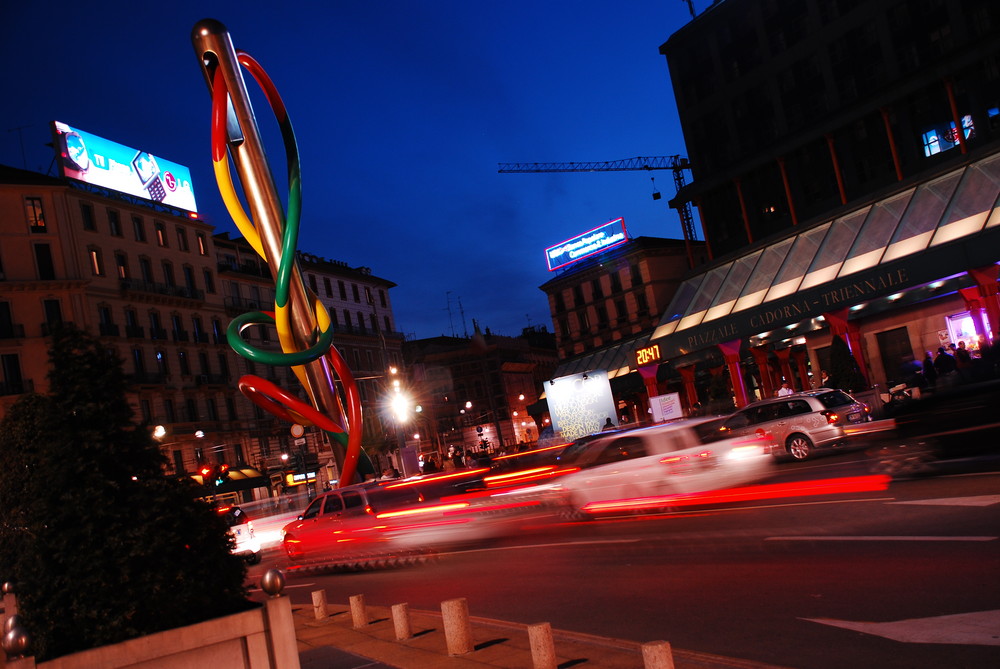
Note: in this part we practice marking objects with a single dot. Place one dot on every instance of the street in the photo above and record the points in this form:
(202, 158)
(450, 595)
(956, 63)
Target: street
(907, 576)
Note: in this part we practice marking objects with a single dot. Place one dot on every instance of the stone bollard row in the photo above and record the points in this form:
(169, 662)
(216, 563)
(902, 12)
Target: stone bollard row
(459, 638)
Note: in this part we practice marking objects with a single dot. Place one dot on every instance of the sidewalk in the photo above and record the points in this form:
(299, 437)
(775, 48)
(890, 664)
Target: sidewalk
(333, 643)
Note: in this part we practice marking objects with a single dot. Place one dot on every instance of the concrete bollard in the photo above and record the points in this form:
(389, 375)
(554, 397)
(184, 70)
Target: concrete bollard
(657, 655)
(359, 612)
(401, 621)
(543, 650)
(319, 604)
(457, 628)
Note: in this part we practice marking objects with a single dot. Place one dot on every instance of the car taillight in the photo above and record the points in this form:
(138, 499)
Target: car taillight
(831, 416)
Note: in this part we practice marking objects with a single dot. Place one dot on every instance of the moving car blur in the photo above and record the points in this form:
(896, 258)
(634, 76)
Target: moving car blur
(246, 544)
(644, 467)
(925, 434)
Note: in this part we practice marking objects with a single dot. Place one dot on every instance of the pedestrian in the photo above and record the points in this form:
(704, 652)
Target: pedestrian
(608, 425)
(946, 367)
(785, 390)
(825, 381)
(458, 458)
(930, 374)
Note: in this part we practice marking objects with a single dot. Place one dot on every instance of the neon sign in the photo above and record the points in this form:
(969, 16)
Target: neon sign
(599, 239)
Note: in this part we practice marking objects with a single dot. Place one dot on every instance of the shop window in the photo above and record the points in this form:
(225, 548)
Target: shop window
(961, 327)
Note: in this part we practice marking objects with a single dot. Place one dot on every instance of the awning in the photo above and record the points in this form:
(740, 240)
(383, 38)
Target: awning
(937, 228)
(240, 479)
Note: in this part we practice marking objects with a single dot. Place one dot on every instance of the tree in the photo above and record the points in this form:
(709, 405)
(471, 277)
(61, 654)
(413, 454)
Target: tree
(844, 369)
(101, 545)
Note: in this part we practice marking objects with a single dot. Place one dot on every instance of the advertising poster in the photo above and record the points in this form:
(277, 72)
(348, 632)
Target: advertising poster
(94, 160)
(666, 407)
(580, 404)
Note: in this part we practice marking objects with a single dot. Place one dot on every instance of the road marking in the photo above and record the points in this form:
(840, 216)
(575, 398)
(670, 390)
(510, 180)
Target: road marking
(979, 500)
(981, 628)
(880, 538)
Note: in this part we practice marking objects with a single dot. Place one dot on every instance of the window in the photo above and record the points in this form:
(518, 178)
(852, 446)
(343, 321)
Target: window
(595, 288)
(87, 216)
(156, 330)
(217, 333)
(354, 290)
(168, 274)
(33, 212)
(182, 240)
(182, 359)
(636, 275)
(203, 363)
(13, 382)
(191, 408)
(121, 262)
(388, 326)
(642, 304)
(188, 272)
(381, 298)
(6, 321)
(231, 411)
(616, 282)
(577, 295)
(223, 366)
(147, 411)
(209, 282)
(213, 412)
(43, 261)
(96, 261)
(161, 233)
(312, 283)
(361, 320)
(343, 290)
(161, 363)
(202, 243)
(168, 409)
(327, 286)
(114, 223)
(146, 269)
(138, 362)
(368, 295)
(138, 228)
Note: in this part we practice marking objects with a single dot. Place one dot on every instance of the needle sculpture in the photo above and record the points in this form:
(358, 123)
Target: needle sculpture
(303, 324)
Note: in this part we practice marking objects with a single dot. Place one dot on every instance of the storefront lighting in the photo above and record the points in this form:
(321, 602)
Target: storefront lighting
(857, 307)
(895, 297)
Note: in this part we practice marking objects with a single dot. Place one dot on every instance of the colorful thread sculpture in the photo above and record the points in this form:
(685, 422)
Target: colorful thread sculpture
(262, 392)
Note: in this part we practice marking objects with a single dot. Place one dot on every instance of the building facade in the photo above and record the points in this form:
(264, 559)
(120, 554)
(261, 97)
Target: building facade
(160, 289)
(476, 392)
(845, 158)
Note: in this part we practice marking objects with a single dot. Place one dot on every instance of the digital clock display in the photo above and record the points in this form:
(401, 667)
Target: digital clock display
(647, 355)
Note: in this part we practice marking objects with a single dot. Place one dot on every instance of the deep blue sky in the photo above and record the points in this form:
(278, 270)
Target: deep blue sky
(402, 112)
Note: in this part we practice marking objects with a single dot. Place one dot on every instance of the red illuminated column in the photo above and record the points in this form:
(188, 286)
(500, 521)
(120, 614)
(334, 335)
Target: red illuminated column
(800, 361)
(851, 334)
(986, 281)
(788, 190)
(956, 119)
(784, 357)
(836, 169)
(648, 374)
(704, 228)
(892, 143)
(760, 355)
(743, 209)
(690, 391)
(731, 353)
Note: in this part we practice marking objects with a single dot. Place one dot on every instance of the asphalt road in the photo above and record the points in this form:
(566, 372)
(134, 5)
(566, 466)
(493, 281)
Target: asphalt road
(907, 576)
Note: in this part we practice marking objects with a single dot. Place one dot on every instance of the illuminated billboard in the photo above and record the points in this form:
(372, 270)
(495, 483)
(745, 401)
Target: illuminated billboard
(94, 160)
(599, 239)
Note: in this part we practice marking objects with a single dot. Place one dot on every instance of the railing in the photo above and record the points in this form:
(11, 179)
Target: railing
(17, 387)
(146, 378)
(135, 332)
(11, 331)
(138, 285)
(157, 333)
(109, 329)
(47, 328)
(180, 335)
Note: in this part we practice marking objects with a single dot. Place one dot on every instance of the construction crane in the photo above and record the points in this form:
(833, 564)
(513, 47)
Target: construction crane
(677, 164)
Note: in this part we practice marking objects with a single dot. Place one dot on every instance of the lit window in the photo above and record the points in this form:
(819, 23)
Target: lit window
(96, 262)
(33, 211)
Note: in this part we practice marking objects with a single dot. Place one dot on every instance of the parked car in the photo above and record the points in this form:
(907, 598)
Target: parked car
(681, 457)
(801, 423)
(241, 528)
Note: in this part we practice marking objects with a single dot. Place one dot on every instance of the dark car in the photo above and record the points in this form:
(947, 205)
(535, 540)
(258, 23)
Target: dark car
(962, 422)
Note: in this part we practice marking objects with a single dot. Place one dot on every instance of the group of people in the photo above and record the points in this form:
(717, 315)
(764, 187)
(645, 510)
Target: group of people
(824, 382)
(953, 364)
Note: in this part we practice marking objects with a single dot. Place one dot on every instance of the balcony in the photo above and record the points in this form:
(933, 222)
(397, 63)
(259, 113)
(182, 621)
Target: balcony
(135, 332)
(212, 379)
(109, 330)
(139, 286)
(248, 268)
(146, 378)
(17, 387)
(157, 333)
(200, 337)
(47, 328)
(181, 335)
(238, 305)
(11, 331)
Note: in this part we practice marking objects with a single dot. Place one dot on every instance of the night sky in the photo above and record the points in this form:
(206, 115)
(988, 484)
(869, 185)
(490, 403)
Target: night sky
(402, 111)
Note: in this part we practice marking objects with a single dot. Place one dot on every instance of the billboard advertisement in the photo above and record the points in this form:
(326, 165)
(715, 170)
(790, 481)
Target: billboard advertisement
(94, 160)
(601, 238)
(580, 404)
